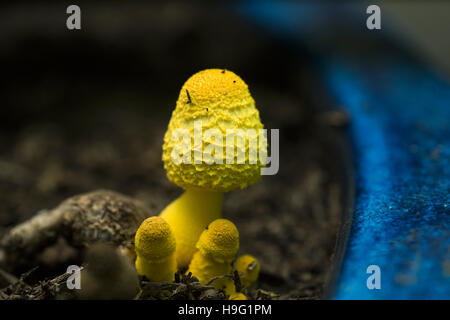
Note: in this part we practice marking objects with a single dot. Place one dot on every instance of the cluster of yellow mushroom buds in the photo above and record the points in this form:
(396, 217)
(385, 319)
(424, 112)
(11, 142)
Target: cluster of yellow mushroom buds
(217, 248)
(189, 233)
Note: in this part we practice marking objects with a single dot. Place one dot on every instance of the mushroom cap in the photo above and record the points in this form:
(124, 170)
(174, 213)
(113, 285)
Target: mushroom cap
(154, 240)
(221, 101)
(220, 241)
(249, 266)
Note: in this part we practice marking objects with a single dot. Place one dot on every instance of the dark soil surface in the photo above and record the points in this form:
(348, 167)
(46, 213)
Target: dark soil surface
(88, 111)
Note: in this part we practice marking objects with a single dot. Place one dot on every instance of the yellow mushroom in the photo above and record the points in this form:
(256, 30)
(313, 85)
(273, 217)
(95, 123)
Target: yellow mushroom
(248, 268)
(217, 248)
(155, 250)
(222, 102)
(237, 296)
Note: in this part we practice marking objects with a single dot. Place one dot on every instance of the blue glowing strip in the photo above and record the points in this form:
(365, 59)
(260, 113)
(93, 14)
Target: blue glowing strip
(400, 132)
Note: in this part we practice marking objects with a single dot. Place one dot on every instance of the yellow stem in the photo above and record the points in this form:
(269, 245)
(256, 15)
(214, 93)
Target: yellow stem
(188, 216)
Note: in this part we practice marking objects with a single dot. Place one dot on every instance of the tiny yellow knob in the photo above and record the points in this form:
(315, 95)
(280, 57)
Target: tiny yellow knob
(237, 296)
(248, 268)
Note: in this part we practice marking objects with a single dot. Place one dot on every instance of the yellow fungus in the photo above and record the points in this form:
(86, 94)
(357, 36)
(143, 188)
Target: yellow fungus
(155, 250)
(248, 268)
(222, 102)
(217, 248)
(237, 296)
(188, 216)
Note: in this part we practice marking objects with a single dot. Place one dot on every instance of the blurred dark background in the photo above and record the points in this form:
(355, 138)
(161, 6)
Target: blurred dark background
(79, 107)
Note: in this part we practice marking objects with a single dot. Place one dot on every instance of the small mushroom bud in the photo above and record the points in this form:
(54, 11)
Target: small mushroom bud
(217, 248)
(155, 250)
(248, 268)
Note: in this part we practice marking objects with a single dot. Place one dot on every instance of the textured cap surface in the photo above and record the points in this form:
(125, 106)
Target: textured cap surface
(221, 101)
(154, 240)
(220, 241)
